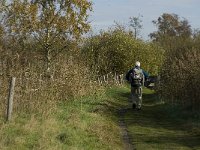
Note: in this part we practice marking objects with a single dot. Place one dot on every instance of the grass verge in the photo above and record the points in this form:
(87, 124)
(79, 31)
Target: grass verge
(86, 123)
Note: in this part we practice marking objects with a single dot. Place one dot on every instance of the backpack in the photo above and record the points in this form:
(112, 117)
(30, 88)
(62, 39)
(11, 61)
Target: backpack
(136, 77)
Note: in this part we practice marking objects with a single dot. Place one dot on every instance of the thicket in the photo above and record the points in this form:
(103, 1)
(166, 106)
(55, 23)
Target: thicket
(180, 80)
(39, 47)
(116, 50)
(36, 90)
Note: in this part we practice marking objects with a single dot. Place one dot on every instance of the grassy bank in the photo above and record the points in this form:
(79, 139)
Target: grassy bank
(85, 123)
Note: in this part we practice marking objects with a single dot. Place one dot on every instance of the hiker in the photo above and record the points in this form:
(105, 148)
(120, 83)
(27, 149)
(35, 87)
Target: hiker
(136, 76)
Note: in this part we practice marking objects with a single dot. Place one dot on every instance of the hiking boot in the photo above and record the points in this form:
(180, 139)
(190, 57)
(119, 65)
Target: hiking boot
(134, 106)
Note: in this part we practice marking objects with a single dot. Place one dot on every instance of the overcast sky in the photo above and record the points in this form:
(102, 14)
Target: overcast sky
(105, 12)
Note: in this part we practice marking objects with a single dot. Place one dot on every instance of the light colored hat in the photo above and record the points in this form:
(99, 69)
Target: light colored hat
(137, 63)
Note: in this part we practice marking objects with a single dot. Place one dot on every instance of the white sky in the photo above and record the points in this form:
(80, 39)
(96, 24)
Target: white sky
(105, 12)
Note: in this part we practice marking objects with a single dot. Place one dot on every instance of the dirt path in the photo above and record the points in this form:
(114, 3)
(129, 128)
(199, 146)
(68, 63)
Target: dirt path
(126, 136)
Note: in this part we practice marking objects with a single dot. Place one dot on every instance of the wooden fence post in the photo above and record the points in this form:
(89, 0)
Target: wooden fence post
(10, 98)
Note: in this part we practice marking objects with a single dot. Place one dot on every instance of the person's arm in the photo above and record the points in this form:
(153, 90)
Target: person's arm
(128, 74)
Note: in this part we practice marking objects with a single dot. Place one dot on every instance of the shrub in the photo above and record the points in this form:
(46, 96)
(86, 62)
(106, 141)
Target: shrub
(116, 50)
(38, 91)
(180, 80)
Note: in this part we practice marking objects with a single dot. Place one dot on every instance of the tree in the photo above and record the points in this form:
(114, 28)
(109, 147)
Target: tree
(52, 23)
(170, 25)
(135, 23)
(196, 33)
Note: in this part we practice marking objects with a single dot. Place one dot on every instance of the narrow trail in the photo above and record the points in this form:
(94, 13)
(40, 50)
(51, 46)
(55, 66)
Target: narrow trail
(126, 136)
(158, 125)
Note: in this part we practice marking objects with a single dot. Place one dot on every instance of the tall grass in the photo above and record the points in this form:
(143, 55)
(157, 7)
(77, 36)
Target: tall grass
(37, 90)
(89, 122)
(180, 80)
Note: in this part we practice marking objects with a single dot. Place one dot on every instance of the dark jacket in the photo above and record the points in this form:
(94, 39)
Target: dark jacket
(146, 75)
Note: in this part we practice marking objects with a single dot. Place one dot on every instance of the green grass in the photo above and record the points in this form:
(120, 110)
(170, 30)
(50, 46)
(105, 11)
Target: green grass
(160, 126)
(91, 123)
(86, 123)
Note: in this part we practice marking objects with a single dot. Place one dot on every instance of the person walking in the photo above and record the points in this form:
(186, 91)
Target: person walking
(136, 77)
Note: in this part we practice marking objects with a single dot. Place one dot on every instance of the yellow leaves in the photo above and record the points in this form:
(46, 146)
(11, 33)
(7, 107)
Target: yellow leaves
(63, 16)
(33, 10)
